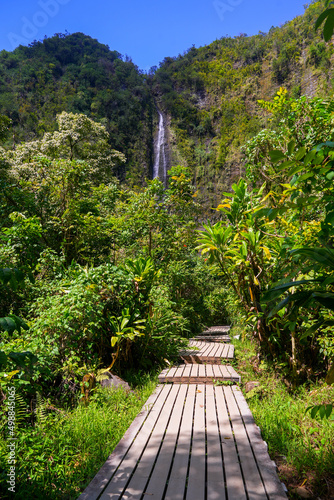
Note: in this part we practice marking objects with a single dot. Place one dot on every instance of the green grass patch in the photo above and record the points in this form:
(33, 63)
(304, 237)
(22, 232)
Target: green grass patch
(59, 456)
(303, 447)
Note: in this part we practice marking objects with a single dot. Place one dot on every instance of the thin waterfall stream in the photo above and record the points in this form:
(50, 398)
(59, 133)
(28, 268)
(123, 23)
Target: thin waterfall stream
(160, 162)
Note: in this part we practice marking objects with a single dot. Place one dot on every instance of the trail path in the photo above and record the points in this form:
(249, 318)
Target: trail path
(195, 438)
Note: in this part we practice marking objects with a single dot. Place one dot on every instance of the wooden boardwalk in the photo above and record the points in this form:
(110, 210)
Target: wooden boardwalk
(212, 338)
(194, 439)
(207, 352)
(191, 442)
(217, 330)
(199, 373)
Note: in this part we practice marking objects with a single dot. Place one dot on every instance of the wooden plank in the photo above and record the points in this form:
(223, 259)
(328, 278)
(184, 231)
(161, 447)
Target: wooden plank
(219, 329)
(225, 351)
(137, 484)
(196, 442)
(213, 350)
(214, 332)
(201, 371)
(233, 374)
(102, 478)
(267, 467)
(194, 371)
(178, 476)
(206, 352)
(234, 480)
(172, 371)
(251, 475)
(217, 372)
(179, 372)
(186, 371)
(164, 372)
(158, 480)
(209, 371)
(197, 344)
(212, 338)
(124, 472)
(225, 372)
(218, 350)
(215, 470)
(197, 466)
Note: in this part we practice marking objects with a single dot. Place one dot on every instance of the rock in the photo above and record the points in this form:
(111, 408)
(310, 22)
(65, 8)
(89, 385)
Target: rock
(303, 492)
(251, 385)
(114, 381)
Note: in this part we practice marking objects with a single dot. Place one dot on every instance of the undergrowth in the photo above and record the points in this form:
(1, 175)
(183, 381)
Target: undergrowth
(303, 447)
(61, 453)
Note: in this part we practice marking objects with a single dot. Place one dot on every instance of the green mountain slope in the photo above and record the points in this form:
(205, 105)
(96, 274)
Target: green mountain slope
(211, 94)
(76, 73)
(208, 95)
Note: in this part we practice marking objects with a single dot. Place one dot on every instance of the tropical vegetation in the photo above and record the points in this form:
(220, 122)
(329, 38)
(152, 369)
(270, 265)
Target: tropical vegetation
(104, 269)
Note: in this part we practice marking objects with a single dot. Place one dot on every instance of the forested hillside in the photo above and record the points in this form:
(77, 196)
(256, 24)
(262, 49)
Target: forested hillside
(211, 94)
(76, 73)
(103, 269)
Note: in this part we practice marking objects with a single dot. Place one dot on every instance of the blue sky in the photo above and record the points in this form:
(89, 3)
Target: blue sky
(146, 30)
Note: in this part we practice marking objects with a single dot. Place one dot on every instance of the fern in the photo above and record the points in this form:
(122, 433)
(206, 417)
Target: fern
(21, 409)
(41, 409)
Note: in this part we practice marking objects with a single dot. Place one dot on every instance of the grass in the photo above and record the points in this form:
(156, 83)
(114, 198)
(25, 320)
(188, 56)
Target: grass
(302, 447)
(58, 457)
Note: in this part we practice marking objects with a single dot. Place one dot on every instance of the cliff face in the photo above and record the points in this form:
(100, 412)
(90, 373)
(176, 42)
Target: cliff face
(211, 94)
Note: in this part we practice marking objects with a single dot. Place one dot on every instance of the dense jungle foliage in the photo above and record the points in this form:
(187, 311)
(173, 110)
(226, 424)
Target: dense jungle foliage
(102, 268)
(75, 73)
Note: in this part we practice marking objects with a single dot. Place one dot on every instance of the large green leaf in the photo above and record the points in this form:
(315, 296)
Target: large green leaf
(8, 324)
(12, 276)
(329, 25)
(298, 299)
(3, 358)
(310, 331)
(12, 323)
(300, 153)
(5, 275)
(21, 358)
(326, 299)
(324, 256)
(296, 169)
(277, 291)
(276, 155)
(321, 18)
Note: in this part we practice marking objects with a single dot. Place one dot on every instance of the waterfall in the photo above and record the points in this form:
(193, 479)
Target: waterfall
(160, 162)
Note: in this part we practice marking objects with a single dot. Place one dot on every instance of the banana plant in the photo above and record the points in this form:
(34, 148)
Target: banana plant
(240, 249)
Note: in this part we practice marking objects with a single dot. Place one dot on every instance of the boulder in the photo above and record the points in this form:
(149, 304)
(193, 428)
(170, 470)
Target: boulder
(111, 380)
(303, 492)
(251, 385)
